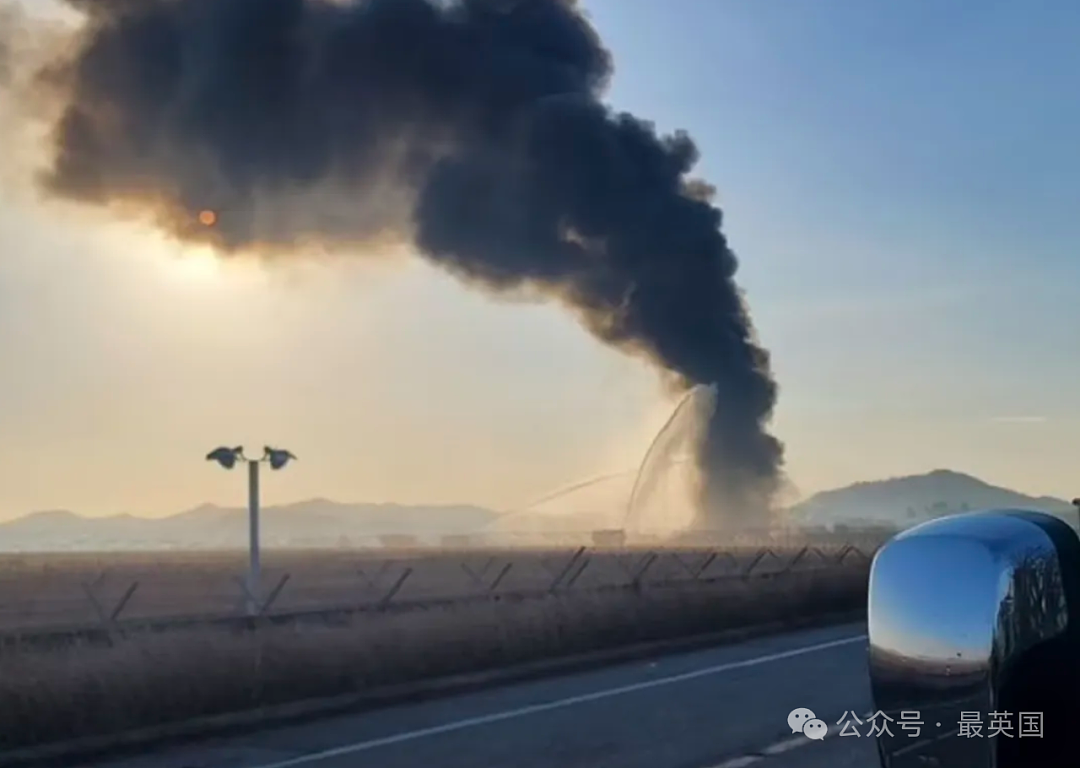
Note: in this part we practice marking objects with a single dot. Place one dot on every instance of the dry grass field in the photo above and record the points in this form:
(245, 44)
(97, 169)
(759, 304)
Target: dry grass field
(41, 592)
(149, 679)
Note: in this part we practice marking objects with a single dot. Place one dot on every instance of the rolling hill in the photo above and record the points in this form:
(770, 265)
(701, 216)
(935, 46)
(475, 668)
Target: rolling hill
(315, 523)
(900, 502)
(903, 501)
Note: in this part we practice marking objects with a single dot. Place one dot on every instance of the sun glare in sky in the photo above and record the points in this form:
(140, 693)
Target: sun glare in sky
(196, 266)
(188, 266)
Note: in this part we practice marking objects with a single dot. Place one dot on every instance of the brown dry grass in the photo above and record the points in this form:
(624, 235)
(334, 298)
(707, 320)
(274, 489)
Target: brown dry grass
(153, 679)
(38, 591)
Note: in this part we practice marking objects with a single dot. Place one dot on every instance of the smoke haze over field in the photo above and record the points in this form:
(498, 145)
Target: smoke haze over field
(472, 130)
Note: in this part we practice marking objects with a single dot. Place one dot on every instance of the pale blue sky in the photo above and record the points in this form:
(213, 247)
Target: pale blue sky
(899, 180)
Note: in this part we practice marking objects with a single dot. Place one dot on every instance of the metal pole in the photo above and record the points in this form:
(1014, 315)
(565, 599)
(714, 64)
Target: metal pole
(253, 538)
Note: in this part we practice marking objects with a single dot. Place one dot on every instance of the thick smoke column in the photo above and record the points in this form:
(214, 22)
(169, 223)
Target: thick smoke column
(472, 129)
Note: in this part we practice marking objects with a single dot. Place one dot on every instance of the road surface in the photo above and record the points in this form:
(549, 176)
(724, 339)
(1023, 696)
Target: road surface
(725, 706)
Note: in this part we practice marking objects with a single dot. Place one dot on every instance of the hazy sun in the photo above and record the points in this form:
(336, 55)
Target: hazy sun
(194, 265)
(199, 266)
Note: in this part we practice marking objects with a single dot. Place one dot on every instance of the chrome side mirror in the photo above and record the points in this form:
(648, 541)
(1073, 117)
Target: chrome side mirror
(974, 643)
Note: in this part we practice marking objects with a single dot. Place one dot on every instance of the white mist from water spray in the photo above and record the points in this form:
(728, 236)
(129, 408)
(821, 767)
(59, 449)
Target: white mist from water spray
(653, 505)
(682, 431)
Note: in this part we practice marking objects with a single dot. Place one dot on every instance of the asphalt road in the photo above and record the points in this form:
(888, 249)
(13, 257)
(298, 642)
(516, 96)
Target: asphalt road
(834, 752)
(726, 706)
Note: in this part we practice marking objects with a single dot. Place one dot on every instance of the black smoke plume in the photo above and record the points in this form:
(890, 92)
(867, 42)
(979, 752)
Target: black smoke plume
(472, 129)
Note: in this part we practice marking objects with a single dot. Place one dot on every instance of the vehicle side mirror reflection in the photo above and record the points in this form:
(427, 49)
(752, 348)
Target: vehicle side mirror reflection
(974, 628)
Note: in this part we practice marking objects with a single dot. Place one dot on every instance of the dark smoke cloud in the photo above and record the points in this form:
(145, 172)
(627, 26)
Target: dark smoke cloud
(473, 129)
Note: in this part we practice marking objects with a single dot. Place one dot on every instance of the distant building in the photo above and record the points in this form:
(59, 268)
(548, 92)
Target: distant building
(399, 541)
(609, 538)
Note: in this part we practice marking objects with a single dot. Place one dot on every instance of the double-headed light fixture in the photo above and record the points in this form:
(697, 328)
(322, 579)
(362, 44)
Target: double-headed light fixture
(228, 458)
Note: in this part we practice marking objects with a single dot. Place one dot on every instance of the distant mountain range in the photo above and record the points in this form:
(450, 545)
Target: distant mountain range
(315, 523)
(904, 501)
(895, 502)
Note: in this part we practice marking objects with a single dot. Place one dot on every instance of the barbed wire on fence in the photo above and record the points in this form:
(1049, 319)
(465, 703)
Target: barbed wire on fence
(384, 585)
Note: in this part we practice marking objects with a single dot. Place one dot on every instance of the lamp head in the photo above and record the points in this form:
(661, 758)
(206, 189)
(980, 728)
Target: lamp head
(278, 457)
(226, 457)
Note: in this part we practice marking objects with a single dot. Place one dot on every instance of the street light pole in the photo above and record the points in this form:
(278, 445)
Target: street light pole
(254, 580)
(228, 458)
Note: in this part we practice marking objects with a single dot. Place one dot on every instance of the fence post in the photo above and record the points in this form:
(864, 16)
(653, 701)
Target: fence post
(265, 606)
(754, 563)
(581, 570)
(383, 569)
(704, 566)
(566, 569)
(385, 601)
(631, 571)
(478, 576)
(649, 560)
(109, 621)
(498, 579)
(795, 560)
